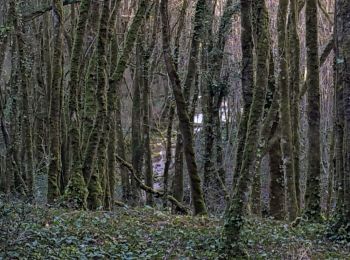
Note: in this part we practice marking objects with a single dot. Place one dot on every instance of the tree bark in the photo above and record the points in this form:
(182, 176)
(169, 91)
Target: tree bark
(285, 114)
(185, 123)
(312, 196)
(55, 108)
(234, 219)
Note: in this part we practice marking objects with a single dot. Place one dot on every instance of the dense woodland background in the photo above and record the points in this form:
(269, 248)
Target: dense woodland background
(236, 110)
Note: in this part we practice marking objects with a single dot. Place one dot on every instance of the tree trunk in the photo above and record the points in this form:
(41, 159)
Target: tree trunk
(286, 128)
(313, 187)
(234, 219)
(185, 123)
(247, 80)
(294, 86)
(55, 109)
(74, 88)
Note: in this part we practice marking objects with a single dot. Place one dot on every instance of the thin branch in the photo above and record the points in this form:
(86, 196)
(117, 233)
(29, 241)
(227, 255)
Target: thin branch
(324, 11)
(42, 10)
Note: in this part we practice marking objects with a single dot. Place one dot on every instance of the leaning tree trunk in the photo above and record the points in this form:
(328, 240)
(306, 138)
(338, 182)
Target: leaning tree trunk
(184, 120)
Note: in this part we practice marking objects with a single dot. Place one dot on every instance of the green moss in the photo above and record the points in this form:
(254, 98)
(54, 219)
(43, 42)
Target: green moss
(76, 192)
(95, 197)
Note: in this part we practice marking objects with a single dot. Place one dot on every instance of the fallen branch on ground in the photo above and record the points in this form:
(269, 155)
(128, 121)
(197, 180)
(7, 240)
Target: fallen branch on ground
(180, 206)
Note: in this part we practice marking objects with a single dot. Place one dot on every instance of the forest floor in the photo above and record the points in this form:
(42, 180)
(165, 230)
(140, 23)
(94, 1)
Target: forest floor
(34, 232)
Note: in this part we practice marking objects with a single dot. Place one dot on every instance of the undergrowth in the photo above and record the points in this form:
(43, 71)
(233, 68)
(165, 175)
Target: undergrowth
(34, 232)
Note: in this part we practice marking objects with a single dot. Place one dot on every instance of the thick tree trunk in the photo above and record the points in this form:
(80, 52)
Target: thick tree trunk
(313, 187)
(74, 90)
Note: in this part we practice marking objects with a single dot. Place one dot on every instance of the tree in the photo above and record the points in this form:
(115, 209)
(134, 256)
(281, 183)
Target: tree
(342, 123)
(55, 107)
(185, 125)
(285, 115)
(234, 219)
(76, 182)
(312, 196)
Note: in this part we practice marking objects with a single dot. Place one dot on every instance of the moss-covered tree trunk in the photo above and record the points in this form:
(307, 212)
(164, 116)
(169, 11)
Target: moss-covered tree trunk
(116, 142)
(99, 133)
(214, 90)
(312, 195)
(277, 183)
(55, 108)
(112, 173)
(74, 113)
(114, 101)
(28, 172)
(247, 80)
(234, 219)
(184, 120)
(285, 115)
